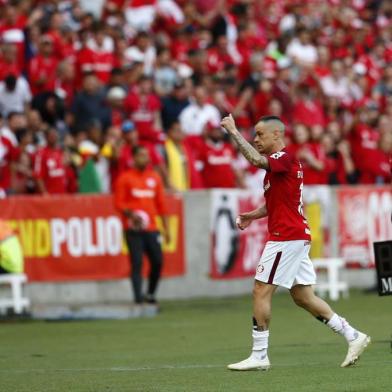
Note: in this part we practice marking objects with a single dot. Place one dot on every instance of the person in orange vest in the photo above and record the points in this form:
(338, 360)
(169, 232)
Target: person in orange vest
(139, 196)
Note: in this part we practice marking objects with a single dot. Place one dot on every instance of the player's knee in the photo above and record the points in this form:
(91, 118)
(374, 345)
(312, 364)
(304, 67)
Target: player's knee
(260, 292)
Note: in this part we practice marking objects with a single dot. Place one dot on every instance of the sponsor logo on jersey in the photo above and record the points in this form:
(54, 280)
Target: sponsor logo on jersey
(143, 193)
(277, 155)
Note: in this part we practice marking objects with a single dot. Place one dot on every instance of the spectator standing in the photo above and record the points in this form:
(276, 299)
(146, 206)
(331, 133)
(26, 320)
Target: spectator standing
(174, 104)
(144, 108)
(9, 64)
(217, 157)
(195, 116)
(8, 154)
(301, 49)
(50, 170)
(15, 95)
(180, 160)
(89, 103)
(143, 51)
(43, 67)
(139, 197)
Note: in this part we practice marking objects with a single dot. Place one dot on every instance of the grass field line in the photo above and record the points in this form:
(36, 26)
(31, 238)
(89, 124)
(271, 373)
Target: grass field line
(169, 367)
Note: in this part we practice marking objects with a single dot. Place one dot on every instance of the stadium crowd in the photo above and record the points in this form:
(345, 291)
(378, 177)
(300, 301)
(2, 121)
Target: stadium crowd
(78, 93)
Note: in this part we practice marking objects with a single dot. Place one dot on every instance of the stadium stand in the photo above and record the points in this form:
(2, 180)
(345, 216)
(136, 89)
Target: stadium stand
(70, 82)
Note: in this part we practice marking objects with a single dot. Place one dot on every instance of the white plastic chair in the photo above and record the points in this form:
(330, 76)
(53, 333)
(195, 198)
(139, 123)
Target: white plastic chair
(17, 301)
(333, 286)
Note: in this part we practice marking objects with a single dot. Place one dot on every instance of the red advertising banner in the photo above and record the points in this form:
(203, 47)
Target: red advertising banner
(80, 237)
(235, 253)
(364, 218)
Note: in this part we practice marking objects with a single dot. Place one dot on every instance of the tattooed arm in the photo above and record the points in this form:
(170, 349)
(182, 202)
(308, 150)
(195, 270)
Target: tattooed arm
(247, 150)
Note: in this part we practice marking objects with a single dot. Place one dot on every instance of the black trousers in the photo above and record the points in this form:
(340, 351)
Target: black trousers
(140, 243)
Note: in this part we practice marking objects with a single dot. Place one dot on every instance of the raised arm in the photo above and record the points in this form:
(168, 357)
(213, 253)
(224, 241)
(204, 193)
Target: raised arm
(247, 150)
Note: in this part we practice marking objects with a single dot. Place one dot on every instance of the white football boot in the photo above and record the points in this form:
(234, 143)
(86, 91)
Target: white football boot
(251, 364)
(355, 349)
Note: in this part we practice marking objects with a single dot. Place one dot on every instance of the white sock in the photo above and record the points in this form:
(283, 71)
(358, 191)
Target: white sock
(260, 344)
(341, 326)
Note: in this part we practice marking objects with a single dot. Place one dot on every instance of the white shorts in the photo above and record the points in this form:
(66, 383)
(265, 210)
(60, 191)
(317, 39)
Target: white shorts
(286, 263)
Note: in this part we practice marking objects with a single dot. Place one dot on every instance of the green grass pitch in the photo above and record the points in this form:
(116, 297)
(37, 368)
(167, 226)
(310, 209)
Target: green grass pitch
(187, 347)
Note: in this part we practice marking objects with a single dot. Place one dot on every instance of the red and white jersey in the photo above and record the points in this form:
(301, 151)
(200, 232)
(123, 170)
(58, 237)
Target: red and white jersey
(49, 166)
(217, 161)
(283, 186)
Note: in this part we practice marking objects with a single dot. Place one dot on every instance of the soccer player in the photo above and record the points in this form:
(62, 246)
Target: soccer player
(285, 260)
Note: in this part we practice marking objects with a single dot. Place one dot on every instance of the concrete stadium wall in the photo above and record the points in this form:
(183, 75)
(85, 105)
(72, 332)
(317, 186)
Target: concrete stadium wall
(195, 283)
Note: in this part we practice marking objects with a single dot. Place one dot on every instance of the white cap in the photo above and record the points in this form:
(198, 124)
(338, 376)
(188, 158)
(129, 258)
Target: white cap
(360, 68)
(116, 93)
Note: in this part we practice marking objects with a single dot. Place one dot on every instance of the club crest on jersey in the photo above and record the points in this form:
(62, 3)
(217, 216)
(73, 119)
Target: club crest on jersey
(260, 268)
(267, 186)
(277, 155)
(151, 182)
